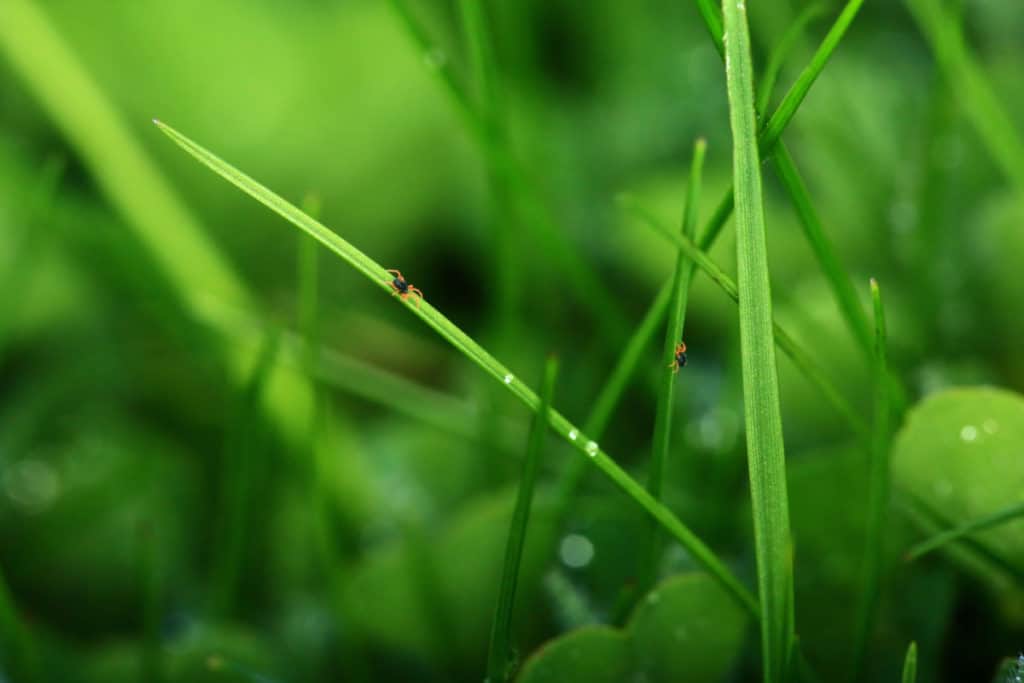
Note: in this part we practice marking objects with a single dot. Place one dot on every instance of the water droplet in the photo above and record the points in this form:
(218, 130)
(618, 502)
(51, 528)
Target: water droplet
(990, 426)
(573, 434)
(32, 485)
(576, 551)
(435, 59)
(969, 433)
(592, 448)
(508, 379)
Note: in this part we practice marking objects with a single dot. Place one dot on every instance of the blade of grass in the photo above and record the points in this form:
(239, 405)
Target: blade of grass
(16, 641)
(762, 415)
(608, 397)
(944, 34)
(958, 532)
(187, 258)
(878, 491)
(502, 209)
(588, 287)
(910, 664)
(474, 352)
(681, 278)
(238, 474)
(499, 655)
(781, 51)
(771, 146)
(786, 343)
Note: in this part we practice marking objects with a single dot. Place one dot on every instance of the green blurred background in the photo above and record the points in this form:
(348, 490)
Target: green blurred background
(188, 493)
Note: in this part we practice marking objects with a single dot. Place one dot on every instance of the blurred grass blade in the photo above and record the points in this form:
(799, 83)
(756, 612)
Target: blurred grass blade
(781, 51)
(878, 490)
(835, 274)
(681, 278)
(910, 664)
(801, 359)
(20, 653)
(151, 579)
(241, 462)
(473, 351)
(499, 656)
(186, 257)
(958, 532)
(942, 30)
(502, 210)
(580, 276)
(763, 418)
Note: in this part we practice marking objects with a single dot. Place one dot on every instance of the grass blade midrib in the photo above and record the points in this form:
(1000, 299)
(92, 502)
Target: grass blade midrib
(463, 343)
(762, 413)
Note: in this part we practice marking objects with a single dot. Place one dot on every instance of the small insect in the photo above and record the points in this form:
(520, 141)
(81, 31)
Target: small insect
(680, 357)
(402, 287)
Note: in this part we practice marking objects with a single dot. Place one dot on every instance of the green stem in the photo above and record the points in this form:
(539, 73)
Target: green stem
(910, 664)
(499, 657)
(878, 490)
(958, 532)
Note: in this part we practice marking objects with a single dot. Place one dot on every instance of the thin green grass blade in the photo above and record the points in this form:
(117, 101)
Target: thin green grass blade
(474, 352)
(674, 331)
(163, 225)
(976, 95)
(835, 274)
(783, 339)
(608, 398)
(910, 664)
(781, 51)
(502, 207)
(499, 656)
(16, 642)
(588, 287)
(958, 532)
(765, 452)
(238, 479)
(878, 490)
(798, 91)
(681, 278)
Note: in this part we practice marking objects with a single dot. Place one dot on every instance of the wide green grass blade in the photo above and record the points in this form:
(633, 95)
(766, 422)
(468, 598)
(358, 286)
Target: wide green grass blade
(910, 664)
(878, 489)
(800, 357)
(499, 656)
(762, 413)
(960, 531)
(474, 352)
(976, 95)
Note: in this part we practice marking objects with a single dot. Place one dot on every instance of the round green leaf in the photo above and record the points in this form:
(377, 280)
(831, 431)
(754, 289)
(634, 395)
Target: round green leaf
(959, 454)
(596, 654)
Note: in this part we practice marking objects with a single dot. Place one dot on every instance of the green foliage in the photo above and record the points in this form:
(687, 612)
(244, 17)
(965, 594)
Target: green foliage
(684, 629)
